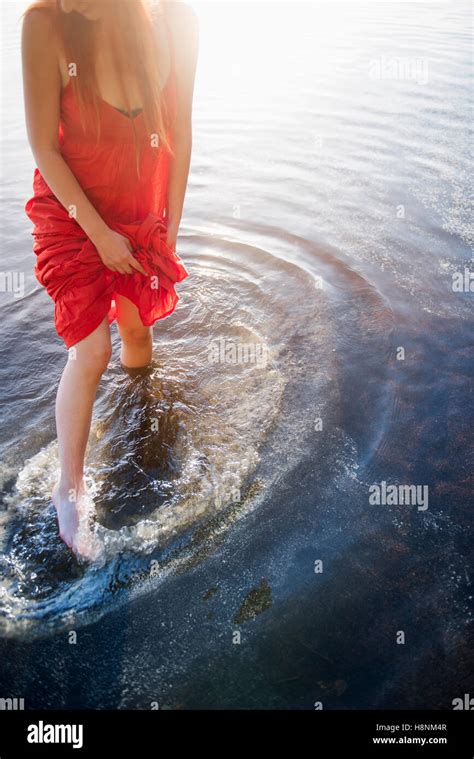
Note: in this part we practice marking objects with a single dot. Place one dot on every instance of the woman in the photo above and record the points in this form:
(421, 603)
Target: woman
(108, 88)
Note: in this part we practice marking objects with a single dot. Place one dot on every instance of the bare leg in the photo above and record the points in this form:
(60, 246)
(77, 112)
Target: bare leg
(75, 398)
(137, 340)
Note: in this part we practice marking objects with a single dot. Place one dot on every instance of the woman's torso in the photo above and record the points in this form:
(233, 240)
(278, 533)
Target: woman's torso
(107, 170)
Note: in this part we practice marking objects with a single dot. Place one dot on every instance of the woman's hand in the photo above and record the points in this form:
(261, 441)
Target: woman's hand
(115, 251)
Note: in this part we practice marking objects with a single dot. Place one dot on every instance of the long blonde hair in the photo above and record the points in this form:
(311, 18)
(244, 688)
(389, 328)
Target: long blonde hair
(135, 54)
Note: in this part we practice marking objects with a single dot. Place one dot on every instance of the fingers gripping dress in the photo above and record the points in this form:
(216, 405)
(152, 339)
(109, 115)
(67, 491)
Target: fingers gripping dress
(67, 263)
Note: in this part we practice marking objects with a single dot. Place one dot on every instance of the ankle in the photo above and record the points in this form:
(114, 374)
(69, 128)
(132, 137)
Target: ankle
(70, 489)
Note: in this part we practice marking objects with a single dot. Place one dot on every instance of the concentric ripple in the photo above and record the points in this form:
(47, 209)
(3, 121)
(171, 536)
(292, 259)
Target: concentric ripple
(247, 379)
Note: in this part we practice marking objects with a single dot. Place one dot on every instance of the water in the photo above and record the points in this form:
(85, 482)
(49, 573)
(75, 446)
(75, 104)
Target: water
(327, 211)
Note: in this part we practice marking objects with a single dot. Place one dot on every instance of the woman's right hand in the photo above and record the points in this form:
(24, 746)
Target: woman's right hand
(115, 251)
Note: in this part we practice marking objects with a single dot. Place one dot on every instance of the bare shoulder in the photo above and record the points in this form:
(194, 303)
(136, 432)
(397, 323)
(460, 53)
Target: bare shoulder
(183, 21)
(39, 43)
(180, 11)
(39, 39)
(39, 25)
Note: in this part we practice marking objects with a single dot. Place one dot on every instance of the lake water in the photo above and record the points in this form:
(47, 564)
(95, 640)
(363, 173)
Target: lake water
(322, 344)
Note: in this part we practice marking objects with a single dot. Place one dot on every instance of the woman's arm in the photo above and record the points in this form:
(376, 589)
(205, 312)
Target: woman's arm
(183, 24)
(42, 92)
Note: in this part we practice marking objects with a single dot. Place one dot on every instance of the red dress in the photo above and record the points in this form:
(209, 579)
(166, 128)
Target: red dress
(67, 263)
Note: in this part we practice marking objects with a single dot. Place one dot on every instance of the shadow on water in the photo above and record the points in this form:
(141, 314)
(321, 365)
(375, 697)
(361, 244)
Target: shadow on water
(139, 443)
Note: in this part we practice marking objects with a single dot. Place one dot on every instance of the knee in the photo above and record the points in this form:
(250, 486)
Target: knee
(136, 336)
(95, 360)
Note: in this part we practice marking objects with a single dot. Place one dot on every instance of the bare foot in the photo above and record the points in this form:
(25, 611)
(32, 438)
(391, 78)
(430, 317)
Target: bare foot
(68, 521)
(76, 521)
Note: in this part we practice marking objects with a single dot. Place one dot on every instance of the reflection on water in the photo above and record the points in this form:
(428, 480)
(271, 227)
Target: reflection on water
(326, 215)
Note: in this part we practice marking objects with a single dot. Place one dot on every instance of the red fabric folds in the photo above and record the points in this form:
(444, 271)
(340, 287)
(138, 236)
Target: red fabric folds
(83, 288)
